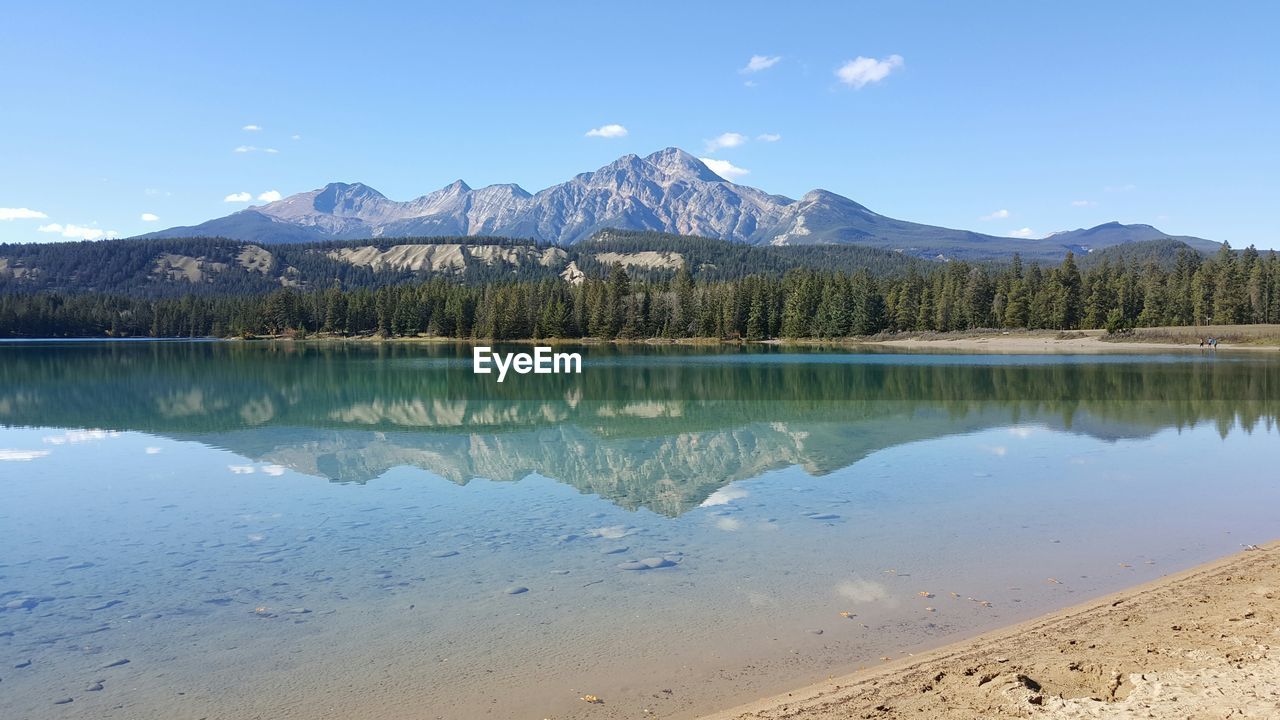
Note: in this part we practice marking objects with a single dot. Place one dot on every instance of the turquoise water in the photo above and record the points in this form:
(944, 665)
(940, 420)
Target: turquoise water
(285, 531)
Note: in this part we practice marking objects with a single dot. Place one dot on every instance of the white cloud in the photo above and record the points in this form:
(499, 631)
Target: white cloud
(725, 140)
(613, 130)
(21, 214)
(729, 524)
(612, 532)
(245, 149)
(152, 451)
(270, 196)
(863, 591)
(75, 437)
(271, 151)
(295, 137)
(238, 197)
(862, 71)
(1083, 203)
(724, 496)
(148, 217)
(241, 469)
(21, 455)
(273, 470)
(77, 231)
(724, 168)
(997, 215)
(769, 137)
(252, 128)
(1022, 233)
(760, 62)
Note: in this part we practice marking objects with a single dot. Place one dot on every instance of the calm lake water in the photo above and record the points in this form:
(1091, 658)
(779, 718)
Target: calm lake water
(218, 530)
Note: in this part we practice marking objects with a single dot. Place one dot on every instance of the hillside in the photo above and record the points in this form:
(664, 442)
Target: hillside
(218, 266)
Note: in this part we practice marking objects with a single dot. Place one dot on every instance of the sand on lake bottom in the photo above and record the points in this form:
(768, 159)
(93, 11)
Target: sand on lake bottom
(1199, 644)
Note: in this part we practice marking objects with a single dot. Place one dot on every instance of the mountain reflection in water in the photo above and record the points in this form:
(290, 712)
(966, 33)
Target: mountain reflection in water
(660, 428)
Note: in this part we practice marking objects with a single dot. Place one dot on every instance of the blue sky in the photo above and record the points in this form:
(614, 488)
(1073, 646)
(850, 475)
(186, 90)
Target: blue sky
(999, 117)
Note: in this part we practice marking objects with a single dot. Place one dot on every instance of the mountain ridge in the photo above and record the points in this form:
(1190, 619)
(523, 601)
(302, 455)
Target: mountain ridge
(668, 191)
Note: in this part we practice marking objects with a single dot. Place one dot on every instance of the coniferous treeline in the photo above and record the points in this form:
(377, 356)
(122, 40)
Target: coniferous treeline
(1229, 288)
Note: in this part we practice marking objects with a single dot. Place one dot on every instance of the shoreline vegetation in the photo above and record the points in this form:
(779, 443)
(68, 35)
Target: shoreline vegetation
(1200, 643)
(829, 304)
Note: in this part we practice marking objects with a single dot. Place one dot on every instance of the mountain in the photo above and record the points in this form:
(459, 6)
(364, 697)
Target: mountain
(1113, 233)
(668, 191)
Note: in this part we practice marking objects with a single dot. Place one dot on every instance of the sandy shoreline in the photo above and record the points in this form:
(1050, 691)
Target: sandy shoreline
(1017, 342)
(1198, 644)
(1075, 343)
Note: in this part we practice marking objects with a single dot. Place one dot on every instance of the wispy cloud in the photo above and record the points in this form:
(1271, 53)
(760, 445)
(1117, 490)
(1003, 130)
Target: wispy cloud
(78, 232)
(270, 196)
(613, 130)
(295, 137)
(724, 168)
(769, 137)
(252, 128)
(148, 217)
(725, 140)
(862, 71)
(997, 215)
(238, 197)
(1022, 233)
(21, 214)
(1083, 203)
(76, 437)
(21, 455)
(253, 149)
(760, 62)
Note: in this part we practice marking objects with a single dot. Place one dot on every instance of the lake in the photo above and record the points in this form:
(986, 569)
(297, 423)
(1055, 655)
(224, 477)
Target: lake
(201, 529)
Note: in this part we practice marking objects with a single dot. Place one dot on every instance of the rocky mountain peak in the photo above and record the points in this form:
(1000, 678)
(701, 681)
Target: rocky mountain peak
(676, 162)
(669, 191)
(342, 198)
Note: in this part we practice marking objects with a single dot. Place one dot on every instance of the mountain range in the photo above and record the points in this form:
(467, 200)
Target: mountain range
(668, 191)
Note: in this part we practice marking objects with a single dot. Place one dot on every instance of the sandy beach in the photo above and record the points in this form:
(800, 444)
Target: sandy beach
(1198, 644)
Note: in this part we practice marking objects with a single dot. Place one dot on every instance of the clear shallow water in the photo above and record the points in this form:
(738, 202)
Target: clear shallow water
(279, 531)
